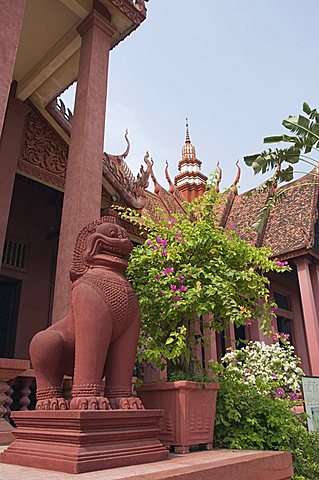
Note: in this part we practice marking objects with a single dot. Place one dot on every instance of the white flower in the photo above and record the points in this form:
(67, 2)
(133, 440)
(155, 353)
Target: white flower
(267, 367)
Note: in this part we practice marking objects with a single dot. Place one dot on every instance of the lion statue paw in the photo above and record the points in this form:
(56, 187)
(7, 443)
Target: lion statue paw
(54, 403)
(127, 403)
(90, 403)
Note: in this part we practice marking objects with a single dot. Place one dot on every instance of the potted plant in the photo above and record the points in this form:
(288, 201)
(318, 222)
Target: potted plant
(190, 266)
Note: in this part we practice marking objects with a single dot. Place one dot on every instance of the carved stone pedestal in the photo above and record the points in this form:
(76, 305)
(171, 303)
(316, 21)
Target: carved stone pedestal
(9, 369)
(77, 441)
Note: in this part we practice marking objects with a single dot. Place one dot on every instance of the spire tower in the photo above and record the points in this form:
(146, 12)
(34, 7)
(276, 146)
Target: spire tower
(190, 181)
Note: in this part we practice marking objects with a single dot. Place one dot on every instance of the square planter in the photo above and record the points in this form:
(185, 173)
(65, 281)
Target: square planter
(189, 412)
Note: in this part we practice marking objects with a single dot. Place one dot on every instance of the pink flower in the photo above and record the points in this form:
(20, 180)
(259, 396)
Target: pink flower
(159, 239)
(164, 252)
(177, 299)
(173, 287)
(293, 396)
(164, 243)
(157, 277)
(178, 235)
(181, 278)
(284, 335)
(149, 242)
(168, 271)
(155, 247)
(279, 392)
(281, 264)
(183, 288)
(172, 221)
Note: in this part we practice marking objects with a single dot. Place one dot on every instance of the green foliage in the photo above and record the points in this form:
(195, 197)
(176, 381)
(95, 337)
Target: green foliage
(284, 160)
(249, 416)
(245, 419)
(190, 266)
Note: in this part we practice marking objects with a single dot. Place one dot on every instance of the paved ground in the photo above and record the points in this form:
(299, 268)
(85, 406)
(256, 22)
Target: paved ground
(170, 468)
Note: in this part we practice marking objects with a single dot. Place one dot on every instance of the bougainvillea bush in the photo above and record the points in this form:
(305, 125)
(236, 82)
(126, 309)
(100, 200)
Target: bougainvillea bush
(190, 266)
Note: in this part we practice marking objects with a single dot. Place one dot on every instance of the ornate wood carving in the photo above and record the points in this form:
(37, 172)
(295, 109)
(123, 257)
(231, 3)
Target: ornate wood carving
(44, 154)
(136, 12)
(132, 189)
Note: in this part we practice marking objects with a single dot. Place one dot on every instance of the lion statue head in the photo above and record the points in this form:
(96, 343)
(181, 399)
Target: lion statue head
(102, 243)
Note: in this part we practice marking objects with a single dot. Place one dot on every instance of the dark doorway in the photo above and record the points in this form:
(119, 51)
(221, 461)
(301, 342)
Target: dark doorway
(9, 306)
(240, 337)
(284, 325)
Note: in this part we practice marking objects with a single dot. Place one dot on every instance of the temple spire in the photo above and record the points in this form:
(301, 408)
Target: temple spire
(190, 181)
(187, 140)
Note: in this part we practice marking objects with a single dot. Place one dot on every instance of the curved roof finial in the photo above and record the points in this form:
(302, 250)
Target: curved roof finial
(150, 163)
(168, 178)
(127, 151)
(187, 140)
(235, 182)
(219, 178)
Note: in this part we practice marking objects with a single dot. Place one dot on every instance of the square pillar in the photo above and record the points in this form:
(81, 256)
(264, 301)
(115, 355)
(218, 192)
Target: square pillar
(309, 309)
(230, 338)
(210, 341)
(83, 183)
(11, 16)
(10, 150)
(256, 334)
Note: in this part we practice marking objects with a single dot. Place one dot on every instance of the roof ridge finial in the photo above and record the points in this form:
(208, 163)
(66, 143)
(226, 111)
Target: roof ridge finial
(168, 178)
(188, 140)
(219, 177)
(235, 182)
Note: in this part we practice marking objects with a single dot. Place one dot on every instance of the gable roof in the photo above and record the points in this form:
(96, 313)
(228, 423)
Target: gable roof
(289, 228)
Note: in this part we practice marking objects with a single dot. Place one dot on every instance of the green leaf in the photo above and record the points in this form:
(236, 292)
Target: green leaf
(274, 139)
(287, 174)
(306, 108)
(250, 159)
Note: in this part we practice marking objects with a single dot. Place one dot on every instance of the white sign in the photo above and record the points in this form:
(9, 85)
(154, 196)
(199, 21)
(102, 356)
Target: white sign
(310, 387)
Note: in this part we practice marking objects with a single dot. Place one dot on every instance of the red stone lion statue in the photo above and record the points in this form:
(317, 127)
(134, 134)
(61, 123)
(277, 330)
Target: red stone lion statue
(99, 335)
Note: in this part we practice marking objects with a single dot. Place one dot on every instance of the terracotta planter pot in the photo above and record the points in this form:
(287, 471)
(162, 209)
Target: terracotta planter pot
(189, 412)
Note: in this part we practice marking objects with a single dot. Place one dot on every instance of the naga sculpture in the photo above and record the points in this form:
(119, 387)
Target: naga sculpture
(99, 335)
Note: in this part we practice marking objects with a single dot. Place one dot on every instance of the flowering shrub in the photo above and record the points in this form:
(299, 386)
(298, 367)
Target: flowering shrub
(254, 404)
(271, 369)
(190, 266)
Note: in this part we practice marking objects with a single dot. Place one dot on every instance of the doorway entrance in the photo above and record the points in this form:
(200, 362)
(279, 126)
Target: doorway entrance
(9, 307)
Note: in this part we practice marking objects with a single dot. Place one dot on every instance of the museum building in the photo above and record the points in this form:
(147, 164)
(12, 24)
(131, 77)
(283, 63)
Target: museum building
(55, 178)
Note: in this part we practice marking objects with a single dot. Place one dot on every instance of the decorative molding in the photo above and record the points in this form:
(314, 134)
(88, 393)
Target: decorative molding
(95, 18)
(44, 154)
(61, 114)
(136, 12)
(132, 189)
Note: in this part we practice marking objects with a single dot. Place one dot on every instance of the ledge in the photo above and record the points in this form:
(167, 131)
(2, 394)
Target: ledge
(213, 465)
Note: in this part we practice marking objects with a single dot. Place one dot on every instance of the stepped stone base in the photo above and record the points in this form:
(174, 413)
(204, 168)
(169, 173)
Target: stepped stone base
(77, 441)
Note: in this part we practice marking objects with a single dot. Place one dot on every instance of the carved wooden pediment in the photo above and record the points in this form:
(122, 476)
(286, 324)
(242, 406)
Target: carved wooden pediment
(44, 154)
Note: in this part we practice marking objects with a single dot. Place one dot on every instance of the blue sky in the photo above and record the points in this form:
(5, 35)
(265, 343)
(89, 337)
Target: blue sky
(235, 68)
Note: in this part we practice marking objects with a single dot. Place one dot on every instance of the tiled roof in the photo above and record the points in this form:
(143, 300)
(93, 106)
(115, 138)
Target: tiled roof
(291, 223)
(290, 226)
